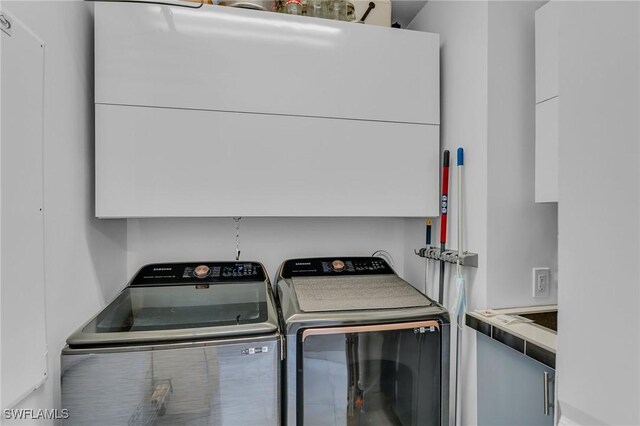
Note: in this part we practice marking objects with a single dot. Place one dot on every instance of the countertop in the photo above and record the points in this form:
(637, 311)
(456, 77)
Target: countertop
(530, 339)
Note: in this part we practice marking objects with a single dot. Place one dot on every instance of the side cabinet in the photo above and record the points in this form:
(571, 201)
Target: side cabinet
(220, 111)
(546, 51)
(547, 103)
(513, 389)
(547, 133)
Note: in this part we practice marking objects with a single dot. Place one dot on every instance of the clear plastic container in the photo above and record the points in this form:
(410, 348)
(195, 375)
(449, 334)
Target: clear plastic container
(337, 10)
(317, 8)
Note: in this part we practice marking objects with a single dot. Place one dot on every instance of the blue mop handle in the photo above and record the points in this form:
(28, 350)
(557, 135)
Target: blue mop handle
(460, 167)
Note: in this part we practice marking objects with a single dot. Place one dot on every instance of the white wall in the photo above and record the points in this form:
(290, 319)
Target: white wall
(488, 104)
(463, 56)
(599, 189)
(521, 234)
(84, 257)
(267, 240)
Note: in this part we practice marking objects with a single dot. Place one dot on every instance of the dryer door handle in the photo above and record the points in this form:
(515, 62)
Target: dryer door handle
(419, 326)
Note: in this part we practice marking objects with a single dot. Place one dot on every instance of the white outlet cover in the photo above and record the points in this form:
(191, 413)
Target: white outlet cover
(541, 283)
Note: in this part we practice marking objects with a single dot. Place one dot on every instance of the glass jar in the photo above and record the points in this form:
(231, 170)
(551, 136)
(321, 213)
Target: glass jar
(316, 8)
(337, 10)
(293, 7)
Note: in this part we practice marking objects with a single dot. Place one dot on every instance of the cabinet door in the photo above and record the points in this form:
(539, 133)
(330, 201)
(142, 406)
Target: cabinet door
(547, 122)
(511, 387)
(546, 52)
(159, 162)
(230, 59)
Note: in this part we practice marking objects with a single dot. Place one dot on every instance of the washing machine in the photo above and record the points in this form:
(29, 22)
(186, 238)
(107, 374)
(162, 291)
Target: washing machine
(194, 343)
(363, 347)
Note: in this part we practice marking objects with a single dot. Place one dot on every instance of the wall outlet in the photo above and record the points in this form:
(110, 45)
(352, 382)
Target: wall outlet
(541, 282)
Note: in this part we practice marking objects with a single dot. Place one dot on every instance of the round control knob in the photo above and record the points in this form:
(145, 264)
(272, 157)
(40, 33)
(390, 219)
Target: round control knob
(201, 271)
(337, 265)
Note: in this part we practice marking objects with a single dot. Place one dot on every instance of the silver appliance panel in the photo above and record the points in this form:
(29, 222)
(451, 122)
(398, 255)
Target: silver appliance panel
(399, 375)
(363, 375)
(206, 384)
(379, 366)
(184, 343)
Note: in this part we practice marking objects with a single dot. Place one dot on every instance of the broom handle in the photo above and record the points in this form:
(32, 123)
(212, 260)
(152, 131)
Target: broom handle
(444, 202)
(460, 167)
(457, 409)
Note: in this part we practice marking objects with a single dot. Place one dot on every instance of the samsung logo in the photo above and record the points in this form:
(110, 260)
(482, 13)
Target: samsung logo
(303, 263)
(161, 269)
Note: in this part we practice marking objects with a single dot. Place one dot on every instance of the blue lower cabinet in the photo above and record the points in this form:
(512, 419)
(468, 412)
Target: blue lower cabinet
(511, 386)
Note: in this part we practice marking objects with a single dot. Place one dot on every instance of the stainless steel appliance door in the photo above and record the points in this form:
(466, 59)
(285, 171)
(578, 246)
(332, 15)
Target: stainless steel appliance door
(388, 374)
(222, 384)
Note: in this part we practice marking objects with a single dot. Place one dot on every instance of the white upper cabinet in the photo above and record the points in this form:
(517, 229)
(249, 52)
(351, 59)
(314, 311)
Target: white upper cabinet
(183, 163)
(230, 59)
(547, 131)
(547, 103)
(219, 111)
(546, 52)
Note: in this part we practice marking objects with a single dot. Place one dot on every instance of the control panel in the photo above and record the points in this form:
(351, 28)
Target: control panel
(315, 267)
(198, 273)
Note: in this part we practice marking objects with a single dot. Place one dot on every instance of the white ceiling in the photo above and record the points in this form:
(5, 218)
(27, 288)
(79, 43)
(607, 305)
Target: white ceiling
(403, 11)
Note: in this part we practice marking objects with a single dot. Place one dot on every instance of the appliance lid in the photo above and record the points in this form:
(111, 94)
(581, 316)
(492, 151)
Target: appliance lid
(320, 292)
(349, 293)
(209, 307)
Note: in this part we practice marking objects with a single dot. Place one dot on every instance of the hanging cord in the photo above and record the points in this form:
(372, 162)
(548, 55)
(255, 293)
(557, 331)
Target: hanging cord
(426, 274)
(385, 255)
(236, 221)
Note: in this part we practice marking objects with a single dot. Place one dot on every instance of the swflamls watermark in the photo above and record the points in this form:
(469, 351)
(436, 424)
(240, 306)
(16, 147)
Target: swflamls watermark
(39, 414)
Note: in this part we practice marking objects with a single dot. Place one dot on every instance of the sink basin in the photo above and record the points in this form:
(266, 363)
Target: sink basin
(544, 319)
